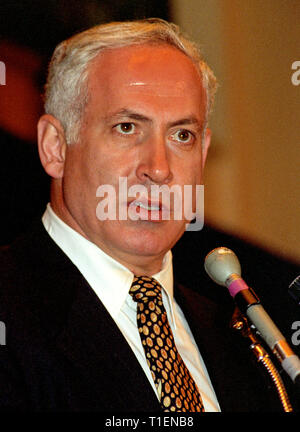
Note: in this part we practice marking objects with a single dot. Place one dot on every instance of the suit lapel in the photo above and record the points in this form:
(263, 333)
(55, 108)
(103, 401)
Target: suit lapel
(91, 340)
(75, 321)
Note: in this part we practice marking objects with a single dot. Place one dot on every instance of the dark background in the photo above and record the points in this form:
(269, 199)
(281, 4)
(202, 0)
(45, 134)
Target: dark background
(41, 24)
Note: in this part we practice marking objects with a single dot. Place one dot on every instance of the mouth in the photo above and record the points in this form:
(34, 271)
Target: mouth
(147, 210)
(148, 206)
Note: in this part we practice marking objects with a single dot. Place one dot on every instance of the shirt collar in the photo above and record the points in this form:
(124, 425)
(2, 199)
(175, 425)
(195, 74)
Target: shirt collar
(109, 279)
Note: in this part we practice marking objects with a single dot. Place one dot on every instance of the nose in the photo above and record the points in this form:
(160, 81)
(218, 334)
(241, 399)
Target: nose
(154, 164)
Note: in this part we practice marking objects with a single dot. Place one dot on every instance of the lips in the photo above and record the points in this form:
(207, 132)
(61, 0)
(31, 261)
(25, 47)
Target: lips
(144, 209)
(147, 206)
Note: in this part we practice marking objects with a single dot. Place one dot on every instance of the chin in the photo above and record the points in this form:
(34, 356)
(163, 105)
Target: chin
(150, 242)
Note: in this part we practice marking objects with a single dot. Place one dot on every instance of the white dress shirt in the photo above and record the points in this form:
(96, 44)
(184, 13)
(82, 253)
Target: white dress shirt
(111, 282)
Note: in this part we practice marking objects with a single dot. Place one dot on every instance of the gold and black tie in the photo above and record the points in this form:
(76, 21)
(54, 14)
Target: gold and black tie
(175, 385)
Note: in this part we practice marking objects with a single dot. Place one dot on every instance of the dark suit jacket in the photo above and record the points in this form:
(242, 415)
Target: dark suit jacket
(63, 351)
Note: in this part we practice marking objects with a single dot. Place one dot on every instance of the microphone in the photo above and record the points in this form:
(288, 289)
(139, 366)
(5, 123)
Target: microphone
(223, 267)
(294, 289)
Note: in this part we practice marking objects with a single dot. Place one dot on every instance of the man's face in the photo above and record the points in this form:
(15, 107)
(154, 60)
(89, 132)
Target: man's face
(143, 122)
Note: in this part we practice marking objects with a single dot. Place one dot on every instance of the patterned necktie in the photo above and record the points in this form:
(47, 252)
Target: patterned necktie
(172, 379)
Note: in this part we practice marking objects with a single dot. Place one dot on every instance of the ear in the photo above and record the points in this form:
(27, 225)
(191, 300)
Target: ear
(52, 145)
(205, 146)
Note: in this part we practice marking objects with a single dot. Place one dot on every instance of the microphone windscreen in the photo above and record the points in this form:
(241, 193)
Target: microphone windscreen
(221, 263)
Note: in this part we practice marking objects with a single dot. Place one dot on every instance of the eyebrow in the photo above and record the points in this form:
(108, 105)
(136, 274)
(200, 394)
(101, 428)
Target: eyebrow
(130, 114)
(125, 112)
(187, 121)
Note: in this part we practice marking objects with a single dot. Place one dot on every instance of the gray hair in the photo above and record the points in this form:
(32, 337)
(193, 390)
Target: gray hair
(66, 90)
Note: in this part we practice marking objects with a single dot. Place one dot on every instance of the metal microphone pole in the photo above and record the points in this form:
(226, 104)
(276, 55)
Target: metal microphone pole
(240, 323)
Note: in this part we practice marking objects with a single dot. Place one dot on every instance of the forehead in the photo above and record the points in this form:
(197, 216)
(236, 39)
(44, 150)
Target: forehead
(141, 63)
(157, 72)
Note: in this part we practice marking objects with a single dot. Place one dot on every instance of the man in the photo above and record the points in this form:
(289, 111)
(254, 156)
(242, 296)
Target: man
(123, 101)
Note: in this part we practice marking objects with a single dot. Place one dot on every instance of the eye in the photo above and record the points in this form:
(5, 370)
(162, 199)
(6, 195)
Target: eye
(125, 128)
(183, 136)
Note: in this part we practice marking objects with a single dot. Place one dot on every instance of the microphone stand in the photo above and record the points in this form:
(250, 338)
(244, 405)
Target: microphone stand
(240, 323)
(223, 267)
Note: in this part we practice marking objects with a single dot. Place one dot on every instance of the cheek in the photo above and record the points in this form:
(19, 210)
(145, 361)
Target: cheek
(109, 163)
(190, 176)
(79, 179)
(196, 168)
(190, 173)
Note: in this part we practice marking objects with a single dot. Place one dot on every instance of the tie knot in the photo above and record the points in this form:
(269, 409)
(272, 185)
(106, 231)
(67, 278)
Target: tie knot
(145, 289)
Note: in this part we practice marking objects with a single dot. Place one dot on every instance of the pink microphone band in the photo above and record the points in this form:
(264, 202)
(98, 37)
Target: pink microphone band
(236, 286)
